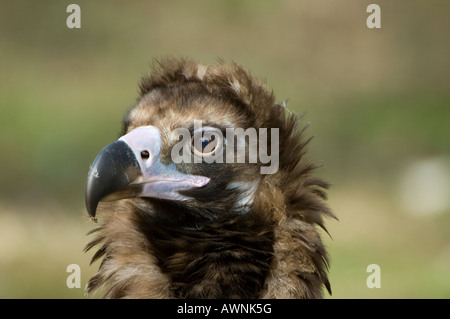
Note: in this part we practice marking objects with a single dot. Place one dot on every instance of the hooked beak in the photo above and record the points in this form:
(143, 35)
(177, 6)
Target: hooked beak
(131, 167)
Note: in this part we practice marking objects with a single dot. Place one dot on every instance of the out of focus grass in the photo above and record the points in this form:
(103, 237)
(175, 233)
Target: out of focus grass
(378, 102)
(35, 249)
(413, 252)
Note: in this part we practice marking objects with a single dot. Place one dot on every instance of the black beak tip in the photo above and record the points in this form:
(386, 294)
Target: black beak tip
(91, 207)
(91, 197)
(112, 170)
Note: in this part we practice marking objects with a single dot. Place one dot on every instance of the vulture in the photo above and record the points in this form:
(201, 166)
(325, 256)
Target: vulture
(207, 193)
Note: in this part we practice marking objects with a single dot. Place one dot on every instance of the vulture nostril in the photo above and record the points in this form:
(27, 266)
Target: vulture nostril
(145, 155)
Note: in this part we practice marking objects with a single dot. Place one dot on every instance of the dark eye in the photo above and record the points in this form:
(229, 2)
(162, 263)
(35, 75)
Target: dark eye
(205, 143)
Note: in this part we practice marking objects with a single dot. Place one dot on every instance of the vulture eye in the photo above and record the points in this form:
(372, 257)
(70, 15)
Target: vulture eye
(206, 142)
(145, 155)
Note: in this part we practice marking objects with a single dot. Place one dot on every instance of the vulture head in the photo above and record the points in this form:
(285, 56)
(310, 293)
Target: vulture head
(207, 193)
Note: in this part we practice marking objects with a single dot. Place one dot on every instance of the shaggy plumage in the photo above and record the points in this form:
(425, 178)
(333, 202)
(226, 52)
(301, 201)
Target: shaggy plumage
(244, 234)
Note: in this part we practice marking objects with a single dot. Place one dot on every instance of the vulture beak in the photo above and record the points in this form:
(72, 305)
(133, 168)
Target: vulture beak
(131, 167)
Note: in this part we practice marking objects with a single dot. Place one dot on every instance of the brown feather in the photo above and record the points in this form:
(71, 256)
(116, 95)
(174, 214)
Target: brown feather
(272, 251)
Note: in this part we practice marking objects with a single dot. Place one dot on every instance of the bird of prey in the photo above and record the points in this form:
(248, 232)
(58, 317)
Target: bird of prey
(207, 193)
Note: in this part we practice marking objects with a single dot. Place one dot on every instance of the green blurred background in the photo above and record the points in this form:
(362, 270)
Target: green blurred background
(378, 101)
